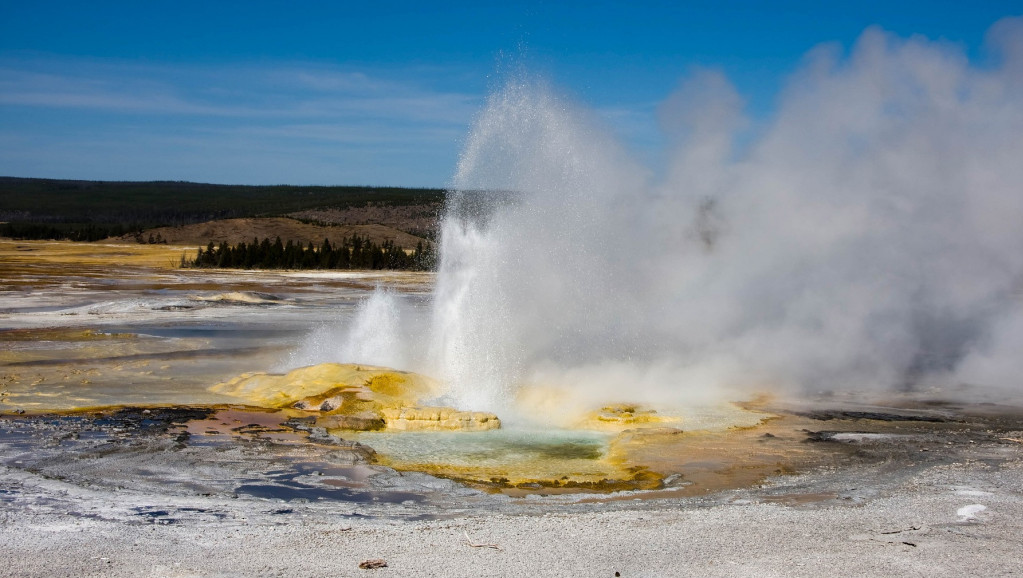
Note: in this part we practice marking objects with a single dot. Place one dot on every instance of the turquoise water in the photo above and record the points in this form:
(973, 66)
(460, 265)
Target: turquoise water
(489, 448)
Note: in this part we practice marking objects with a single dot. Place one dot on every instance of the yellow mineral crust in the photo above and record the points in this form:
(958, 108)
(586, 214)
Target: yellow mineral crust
(314, 384)
(566, 408)
(357, 397)
(438, 418)
(552, 477)
(623, 415)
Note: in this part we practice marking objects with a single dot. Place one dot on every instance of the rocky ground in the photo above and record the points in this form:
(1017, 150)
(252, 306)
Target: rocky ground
(204, 491)
(156, 486)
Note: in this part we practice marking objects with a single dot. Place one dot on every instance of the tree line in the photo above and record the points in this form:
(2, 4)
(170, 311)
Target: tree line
(353, 253)
(163, 203)
(94, 210)
(66, 231)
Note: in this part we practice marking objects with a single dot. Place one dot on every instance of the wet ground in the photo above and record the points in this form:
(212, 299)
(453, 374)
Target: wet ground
(206, 454)
(85, 324)
(185, 463)
(137, 342)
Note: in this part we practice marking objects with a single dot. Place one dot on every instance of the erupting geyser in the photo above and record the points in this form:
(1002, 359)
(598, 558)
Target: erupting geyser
(867, 236)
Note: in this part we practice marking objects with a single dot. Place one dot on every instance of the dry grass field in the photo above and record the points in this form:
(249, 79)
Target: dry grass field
(60, 254)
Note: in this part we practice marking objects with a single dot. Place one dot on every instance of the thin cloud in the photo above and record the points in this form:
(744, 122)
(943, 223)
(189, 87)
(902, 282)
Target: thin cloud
(230, 91)
(284, 122)
(366, 134)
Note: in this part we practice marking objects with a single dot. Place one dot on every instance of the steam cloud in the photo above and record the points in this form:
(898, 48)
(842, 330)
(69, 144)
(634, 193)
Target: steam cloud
(869, 236)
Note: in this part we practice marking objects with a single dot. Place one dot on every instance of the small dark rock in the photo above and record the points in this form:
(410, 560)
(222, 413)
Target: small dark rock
(331, 403)
(819, 436)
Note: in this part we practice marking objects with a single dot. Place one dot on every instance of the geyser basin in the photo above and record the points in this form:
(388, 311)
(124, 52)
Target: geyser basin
(388, 410)
(602, 452)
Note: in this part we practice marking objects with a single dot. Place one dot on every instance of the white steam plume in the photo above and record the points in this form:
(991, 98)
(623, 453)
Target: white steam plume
(376, 333)
(869, 236)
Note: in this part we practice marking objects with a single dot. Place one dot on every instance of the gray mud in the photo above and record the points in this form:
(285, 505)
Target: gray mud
(168, 453)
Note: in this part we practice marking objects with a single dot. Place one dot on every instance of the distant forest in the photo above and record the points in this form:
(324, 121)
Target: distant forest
(353, 253)
(93, 210)
(29, 230)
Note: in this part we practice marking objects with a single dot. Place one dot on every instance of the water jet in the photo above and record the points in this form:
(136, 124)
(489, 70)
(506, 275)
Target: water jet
(855, 245)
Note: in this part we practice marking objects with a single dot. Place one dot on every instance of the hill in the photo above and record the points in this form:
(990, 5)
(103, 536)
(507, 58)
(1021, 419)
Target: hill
(93, 210)
(235, 231)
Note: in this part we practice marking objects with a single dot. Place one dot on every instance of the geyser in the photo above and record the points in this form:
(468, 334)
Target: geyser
(866, 236)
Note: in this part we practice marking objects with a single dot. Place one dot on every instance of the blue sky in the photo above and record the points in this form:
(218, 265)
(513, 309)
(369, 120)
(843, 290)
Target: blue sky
(380, 93)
